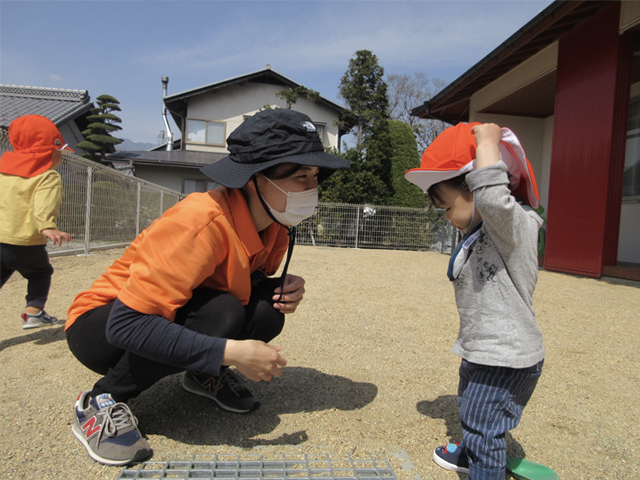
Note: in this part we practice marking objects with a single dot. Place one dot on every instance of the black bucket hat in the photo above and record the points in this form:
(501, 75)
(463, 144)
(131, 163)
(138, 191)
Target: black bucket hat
(269, 138)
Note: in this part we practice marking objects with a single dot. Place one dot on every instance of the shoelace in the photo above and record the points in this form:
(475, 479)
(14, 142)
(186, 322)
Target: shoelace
(117, 416)
(233, 380)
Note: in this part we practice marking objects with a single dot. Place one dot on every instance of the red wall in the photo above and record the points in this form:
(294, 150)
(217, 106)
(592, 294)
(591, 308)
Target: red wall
(587, 160)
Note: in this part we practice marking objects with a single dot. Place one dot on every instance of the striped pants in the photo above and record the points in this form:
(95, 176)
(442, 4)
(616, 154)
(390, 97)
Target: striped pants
(491, 401)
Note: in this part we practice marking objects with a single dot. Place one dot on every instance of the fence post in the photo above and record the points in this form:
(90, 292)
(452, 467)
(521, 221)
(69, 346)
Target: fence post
(87, 213)
(161, 203)
(138, 190)
(357, 226)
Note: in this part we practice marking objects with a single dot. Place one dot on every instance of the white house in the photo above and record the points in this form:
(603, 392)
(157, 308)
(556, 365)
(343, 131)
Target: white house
(207, 115)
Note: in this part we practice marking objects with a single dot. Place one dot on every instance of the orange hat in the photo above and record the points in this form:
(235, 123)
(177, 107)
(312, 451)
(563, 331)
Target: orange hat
(453, 153)
(34, 138)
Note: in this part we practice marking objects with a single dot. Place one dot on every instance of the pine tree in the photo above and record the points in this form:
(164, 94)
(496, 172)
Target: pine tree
(292, 95)
(98, 140)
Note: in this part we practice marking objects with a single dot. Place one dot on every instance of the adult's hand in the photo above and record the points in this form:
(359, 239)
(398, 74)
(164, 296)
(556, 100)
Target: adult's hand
(254, 359)
(291, 294)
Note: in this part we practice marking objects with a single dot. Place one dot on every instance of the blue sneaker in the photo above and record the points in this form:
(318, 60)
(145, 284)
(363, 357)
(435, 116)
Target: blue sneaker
(38, 320)
(452, 457)
(109, 431)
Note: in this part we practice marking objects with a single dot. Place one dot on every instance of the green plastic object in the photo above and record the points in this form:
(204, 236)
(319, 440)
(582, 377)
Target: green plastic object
(523, 469)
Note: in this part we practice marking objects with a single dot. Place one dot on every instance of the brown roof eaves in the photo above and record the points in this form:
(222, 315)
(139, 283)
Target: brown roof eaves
(452, 104)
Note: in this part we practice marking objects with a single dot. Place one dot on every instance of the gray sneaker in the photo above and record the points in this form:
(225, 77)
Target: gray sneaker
(227, 390)
(109, 431)
(39, 320)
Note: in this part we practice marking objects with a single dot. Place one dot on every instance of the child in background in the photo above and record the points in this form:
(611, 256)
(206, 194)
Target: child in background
(475, 172)
(30, 198)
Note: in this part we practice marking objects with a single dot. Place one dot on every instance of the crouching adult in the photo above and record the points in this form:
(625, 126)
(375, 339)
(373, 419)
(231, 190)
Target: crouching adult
(193, 291)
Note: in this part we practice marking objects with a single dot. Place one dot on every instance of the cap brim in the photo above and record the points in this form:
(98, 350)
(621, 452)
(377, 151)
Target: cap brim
(233, 174)
(426, 178)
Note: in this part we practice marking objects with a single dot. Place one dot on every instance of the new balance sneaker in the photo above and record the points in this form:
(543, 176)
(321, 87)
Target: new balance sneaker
(109, 431)
(39, 320)
(452, 457)
(227, 390)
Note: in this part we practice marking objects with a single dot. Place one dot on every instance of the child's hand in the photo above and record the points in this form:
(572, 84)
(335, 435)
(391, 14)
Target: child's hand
(487, 141)
(56, 235)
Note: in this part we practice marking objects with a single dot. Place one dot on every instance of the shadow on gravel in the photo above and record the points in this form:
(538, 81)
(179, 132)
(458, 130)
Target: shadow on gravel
(446, 408)
(40, 336)
(168, 410)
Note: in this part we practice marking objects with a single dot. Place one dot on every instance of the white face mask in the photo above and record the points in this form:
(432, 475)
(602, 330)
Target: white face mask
(300, 205)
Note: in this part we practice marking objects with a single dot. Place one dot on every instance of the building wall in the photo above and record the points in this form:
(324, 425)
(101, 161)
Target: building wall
(170, 177)
(538, 142)
(72, 135)
(586, 173)
(235, 102)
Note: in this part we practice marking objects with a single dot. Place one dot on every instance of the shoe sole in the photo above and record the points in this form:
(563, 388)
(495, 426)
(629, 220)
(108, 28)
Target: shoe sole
(31, 326)
(220, 404)
(448, 466)
(140, 454)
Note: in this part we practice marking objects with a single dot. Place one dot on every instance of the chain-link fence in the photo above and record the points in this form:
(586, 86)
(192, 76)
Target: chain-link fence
(369, 226)
(102, 207)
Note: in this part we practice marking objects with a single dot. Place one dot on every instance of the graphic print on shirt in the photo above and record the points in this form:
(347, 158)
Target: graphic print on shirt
(486, 271)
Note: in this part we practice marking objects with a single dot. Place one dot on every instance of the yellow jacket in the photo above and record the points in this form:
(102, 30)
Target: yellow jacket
(28, 206)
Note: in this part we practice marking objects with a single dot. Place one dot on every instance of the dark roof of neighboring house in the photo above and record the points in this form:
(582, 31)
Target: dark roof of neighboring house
(57, 104)
(537, 99)
(177, 103)
(174, 158)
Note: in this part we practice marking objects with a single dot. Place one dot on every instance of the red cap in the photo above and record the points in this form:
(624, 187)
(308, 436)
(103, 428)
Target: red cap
(34, 138)
(453, 153)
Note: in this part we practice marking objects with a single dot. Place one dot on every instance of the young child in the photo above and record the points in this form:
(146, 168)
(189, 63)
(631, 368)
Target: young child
(475, 172)
(30, 198)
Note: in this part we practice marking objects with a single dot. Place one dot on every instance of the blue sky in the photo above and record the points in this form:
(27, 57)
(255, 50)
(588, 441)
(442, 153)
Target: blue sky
(124, 48)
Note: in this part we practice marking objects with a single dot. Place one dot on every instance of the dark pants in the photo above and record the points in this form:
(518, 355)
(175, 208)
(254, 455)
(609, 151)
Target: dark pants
(491, 401)
(210, 312)
(32, 262)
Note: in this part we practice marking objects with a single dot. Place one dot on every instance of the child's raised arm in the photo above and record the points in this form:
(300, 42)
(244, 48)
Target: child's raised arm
(487, 141)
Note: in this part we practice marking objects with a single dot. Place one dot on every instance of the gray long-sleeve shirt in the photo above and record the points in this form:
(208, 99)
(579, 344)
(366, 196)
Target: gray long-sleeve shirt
(495, 287)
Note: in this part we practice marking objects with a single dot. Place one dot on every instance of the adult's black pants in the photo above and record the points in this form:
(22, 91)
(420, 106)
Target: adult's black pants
(210, 312)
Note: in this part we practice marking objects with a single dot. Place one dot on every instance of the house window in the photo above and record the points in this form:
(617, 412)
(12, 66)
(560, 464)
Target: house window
(631, 182)
(190, 186)
(320, 129)
(206, 132)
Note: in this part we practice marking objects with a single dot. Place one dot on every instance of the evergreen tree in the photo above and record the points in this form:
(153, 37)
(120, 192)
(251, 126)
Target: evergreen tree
(368, 181)
(364, 91)
(405, 156)
(98, 140)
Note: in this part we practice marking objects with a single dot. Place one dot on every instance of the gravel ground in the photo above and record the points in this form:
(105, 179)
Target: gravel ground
(370, 372)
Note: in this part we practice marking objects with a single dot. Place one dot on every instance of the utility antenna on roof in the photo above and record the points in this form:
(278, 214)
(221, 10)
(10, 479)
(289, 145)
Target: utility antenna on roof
(165, 82)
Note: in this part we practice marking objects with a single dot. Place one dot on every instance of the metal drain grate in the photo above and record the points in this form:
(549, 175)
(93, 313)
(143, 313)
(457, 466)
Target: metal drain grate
(271, 467)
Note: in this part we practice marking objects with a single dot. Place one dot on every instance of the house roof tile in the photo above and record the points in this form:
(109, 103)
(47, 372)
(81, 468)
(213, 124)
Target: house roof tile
(57, 104)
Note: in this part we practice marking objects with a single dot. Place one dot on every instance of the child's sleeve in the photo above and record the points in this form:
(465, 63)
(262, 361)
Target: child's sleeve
(509, 225)
(46, 201)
